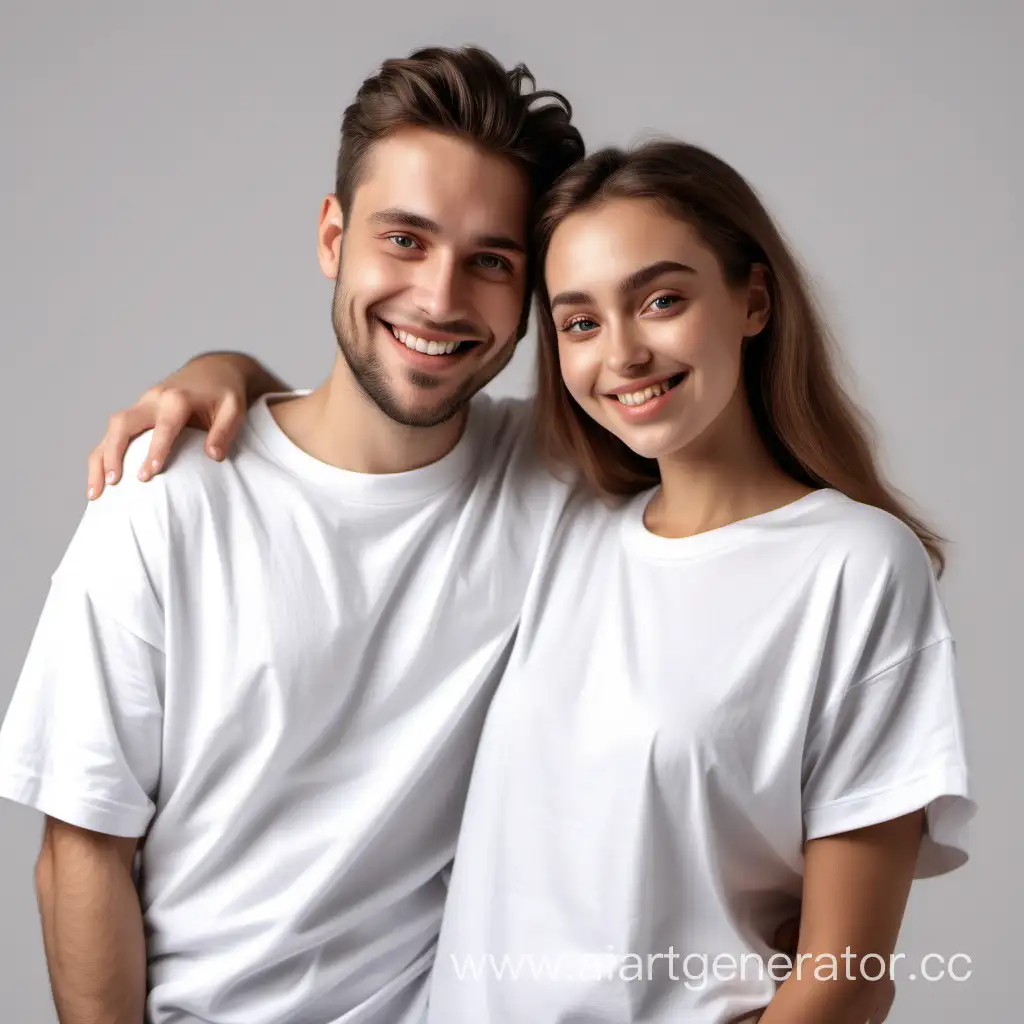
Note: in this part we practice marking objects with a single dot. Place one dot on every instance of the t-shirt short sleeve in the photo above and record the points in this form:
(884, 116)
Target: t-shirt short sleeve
(81, 738)
(892, 742)
(895, 747)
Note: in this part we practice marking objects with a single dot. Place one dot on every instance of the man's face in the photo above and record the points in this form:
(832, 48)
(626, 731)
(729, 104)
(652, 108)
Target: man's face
(431, 272)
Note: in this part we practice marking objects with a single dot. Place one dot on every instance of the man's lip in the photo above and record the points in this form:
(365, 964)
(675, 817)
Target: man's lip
(421, 332)
(639, 385)
(436, 364)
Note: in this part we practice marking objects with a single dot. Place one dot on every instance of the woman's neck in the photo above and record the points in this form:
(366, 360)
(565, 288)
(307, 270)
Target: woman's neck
(720, 478)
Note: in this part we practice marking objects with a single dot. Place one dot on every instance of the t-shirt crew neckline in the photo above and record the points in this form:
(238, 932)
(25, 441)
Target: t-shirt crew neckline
(641, 541)
(364, 488)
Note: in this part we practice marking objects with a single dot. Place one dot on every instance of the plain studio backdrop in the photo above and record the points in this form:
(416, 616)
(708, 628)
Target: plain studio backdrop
(162, 171)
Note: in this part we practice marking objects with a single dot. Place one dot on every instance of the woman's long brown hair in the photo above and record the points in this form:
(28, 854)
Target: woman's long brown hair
(808, 422)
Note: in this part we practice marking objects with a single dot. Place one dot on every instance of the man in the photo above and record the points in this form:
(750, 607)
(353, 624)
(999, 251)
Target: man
(252, 701)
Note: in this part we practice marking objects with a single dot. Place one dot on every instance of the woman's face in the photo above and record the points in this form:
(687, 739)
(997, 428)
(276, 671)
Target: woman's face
(650, 335)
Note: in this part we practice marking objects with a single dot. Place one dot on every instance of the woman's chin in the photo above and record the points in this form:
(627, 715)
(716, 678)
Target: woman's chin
(654, 440)
(646, 448)
(659, 441)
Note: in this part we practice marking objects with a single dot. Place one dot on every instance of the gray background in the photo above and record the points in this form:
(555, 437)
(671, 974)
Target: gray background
(162, 168)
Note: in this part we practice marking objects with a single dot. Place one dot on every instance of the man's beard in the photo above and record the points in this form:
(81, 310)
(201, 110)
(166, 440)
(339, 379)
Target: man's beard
(372, 378)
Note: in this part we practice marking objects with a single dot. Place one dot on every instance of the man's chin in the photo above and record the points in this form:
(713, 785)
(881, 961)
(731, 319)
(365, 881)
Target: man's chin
(420, 408)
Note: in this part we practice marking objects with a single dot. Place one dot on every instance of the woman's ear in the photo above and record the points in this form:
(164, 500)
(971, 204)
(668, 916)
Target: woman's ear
(759, 302)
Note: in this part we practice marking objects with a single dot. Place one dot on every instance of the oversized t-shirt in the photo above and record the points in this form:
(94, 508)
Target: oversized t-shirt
(276, 672)
(679, 716)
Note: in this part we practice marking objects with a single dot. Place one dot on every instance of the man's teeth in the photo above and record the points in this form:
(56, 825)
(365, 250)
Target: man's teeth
(639, 397)
(430, 348)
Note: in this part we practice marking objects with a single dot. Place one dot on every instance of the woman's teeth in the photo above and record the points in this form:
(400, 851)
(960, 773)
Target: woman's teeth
(430, 348)
(640, 397)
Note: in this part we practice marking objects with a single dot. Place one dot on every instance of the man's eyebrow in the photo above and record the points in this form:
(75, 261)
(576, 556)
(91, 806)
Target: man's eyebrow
(499, 242)
(405, 218)
(417, 222)
(639, 278)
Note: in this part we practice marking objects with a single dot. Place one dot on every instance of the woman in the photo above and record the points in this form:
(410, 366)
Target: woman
(732, 692)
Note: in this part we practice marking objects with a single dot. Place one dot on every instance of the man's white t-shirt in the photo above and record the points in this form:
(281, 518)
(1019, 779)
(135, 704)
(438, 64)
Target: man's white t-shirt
(276, 672)
(678, 717)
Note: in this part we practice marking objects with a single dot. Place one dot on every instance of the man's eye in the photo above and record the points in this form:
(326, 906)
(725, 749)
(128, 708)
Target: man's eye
(491, 262)
(403, 241)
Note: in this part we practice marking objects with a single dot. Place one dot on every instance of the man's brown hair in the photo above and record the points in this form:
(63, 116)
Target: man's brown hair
(467, 93)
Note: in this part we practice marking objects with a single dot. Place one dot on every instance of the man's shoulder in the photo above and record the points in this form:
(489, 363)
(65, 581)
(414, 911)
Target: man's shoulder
(191, 485)
(508, 463)
(140, 528)
(186, 454)
(188, 469)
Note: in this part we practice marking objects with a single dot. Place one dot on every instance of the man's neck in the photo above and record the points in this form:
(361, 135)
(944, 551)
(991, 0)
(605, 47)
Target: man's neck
(340, 425)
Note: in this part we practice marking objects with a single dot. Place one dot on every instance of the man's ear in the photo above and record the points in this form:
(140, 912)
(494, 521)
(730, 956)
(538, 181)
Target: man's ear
(759, 302)
(328, 237)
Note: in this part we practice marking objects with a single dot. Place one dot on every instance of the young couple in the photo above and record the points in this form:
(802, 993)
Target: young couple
(257, 711)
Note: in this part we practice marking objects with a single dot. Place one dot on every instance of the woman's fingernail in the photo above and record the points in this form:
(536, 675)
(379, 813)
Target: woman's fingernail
(215, 452)
(92, 493)
(155, 464)
(143, 473)
(111, 477)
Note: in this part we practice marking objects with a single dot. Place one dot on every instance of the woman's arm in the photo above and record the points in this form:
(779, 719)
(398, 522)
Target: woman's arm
(856, 886)
(211, 391)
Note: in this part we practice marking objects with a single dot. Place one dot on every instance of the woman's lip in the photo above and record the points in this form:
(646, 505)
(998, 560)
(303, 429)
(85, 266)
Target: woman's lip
(639, 385)
(649, 410)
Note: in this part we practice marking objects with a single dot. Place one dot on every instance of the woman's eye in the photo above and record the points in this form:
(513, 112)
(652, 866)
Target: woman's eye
(580, 326)
(403, 241)
(663, 302)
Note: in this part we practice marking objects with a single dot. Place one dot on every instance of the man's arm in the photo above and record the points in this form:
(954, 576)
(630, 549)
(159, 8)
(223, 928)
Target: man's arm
(856, 886)
(92, 926)
(211, 391)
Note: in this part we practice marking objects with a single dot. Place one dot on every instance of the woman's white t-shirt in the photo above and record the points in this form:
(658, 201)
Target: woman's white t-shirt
(678, 717)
